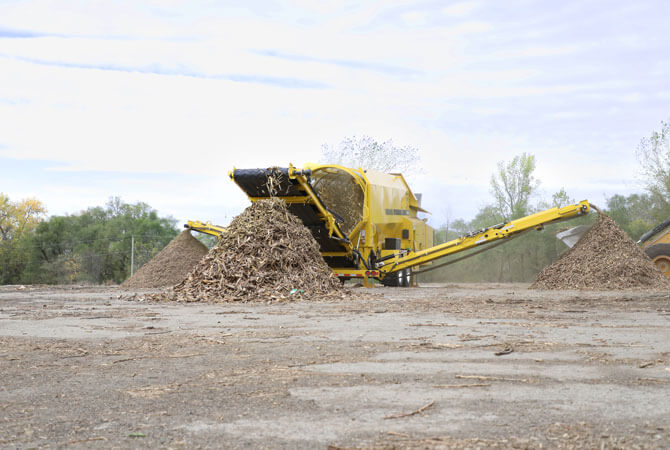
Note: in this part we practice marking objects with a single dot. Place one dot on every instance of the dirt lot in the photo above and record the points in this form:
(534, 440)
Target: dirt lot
(436, 366)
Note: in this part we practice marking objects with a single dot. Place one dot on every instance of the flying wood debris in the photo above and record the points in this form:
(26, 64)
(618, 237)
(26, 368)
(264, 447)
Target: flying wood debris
(265, 254)
(170, 265)
(604, 258)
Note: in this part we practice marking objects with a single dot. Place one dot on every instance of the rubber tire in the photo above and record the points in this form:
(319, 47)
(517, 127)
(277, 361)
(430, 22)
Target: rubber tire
(660, 254)
(406, 278)
(392, 279)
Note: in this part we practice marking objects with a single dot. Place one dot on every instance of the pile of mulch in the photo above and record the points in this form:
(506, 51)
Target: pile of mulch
(605, 258)
(171, 265)
(266, 254)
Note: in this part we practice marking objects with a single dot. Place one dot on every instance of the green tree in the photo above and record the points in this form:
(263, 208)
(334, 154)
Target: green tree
(512, 185)
(561, 198)
(633, 214)
(368, 153)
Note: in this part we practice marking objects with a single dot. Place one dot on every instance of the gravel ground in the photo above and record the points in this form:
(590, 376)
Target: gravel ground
(455, 366)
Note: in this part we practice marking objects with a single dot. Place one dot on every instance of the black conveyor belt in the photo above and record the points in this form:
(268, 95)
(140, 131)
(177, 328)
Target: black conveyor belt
(256, 182)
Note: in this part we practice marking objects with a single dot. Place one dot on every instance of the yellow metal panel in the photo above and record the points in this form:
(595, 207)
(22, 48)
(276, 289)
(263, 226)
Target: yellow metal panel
(661, 239)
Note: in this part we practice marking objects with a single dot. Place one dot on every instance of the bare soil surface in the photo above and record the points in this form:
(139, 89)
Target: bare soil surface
(455, 366)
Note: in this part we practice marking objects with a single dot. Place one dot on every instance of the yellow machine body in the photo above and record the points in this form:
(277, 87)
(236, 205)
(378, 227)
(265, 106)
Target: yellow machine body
(663, 239)
(656, 244)
(388, 220)
(357, 216)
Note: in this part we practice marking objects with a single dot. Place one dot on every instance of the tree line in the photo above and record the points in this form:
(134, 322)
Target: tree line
(93, 246)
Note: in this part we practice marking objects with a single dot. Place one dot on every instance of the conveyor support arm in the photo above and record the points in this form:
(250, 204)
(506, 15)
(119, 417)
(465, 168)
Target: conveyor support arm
(406, 259)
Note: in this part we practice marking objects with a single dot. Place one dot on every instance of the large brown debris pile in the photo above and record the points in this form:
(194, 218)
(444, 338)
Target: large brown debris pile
(170, 265)
(605, 258)
(265, 254)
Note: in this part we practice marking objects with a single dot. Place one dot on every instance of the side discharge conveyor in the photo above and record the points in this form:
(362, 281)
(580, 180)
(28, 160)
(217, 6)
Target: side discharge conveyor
(486, 237)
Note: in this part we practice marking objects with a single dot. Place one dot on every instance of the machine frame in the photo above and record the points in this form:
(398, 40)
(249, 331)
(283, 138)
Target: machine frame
(390, 243)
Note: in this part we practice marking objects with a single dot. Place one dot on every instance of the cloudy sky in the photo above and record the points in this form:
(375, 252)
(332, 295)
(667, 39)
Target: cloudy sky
(157, 100)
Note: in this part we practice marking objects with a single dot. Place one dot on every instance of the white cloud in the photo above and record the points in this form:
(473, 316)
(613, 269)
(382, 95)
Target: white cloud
(535, 51)
(414, 18)
(460, 8)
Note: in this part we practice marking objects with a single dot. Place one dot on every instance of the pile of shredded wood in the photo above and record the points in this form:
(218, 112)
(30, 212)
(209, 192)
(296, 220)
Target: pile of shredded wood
(605, 258)
(265, 254)
(170, 265)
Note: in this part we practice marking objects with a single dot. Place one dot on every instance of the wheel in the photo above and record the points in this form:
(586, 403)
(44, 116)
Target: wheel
(660, 255)
(393, 279)
(401, 278)
(406, 278)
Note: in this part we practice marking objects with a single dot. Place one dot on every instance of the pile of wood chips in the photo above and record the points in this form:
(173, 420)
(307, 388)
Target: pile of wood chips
(170, 265)
(266, 254)
(605, 258)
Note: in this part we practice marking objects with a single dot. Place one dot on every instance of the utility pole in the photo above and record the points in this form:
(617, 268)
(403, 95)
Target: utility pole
(132, 254)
